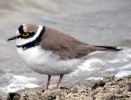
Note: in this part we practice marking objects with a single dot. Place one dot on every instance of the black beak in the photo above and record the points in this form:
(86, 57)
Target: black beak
(13, 38)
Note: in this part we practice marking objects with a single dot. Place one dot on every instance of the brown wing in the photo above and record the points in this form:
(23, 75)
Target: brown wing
(63, 45)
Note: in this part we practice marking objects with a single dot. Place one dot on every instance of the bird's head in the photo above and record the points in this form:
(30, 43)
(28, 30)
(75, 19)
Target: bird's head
(26, 33)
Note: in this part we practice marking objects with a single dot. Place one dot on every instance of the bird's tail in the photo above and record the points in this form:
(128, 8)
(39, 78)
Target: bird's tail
(107, 48)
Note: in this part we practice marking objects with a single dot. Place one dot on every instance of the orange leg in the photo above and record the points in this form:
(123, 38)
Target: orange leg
(48, 82)
(59, 81)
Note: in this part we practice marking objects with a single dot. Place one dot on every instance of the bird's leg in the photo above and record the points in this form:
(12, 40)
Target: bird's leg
(60, 79)
(48, 82)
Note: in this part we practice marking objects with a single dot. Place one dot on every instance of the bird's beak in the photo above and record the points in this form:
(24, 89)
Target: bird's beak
(13, 38)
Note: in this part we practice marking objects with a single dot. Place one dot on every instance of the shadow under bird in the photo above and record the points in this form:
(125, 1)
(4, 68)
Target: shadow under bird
(51, 52)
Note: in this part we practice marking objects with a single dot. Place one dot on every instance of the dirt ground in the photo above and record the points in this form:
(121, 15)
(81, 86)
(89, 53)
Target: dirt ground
(109, 88)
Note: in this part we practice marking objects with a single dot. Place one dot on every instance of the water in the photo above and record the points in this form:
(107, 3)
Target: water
(98, 22)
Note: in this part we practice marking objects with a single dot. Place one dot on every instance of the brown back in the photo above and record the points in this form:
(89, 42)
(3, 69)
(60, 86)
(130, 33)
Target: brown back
(63, 45)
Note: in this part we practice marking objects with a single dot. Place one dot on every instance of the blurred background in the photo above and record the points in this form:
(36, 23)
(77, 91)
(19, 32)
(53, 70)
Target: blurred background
(99, 22)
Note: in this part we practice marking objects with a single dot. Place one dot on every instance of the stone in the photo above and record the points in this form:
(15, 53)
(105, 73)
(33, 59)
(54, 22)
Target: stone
(13, 96)
(129, 87)
(45, 95)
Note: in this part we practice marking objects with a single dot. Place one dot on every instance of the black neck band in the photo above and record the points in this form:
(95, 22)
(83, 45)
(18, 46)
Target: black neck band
(33, 43)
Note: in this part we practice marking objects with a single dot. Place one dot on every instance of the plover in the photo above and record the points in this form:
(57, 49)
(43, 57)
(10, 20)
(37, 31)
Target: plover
(51, 52)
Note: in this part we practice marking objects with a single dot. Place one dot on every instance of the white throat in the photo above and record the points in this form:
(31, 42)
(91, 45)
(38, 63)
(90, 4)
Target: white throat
(20, 41)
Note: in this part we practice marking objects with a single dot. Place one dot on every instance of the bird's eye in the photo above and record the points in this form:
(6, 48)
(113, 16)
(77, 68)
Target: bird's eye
(25, 34)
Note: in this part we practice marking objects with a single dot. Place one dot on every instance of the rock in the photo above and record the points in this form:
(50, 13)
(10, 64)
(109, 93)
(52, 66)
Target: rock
(129, 87)
(30, 95)
(109, 96)
(89, 98)
(13, 96)
(45, 95)
(78, 89)
(99, 83)
(109, 79)
(107, 89)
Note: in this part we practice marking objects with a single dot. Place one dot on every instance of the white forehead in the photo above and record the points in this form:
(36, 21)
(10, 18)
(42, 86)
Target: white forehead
(24, 27)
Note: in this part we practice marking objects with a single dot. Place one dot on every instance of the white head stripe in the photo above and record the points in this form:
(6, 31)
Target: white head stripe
(37, 34)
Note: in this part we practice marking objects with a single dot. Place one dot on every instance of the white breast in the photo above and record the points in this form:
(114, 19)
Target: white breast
(46, 62)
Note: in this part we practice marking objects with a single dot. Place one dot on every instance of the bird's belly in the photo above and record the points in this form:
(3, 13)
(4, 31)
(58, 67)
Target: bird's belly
(46, 62)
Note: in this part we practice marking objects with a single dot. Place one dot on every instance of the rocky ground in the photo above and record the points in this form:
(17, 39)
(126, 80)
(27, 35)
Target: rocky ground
(109, 88)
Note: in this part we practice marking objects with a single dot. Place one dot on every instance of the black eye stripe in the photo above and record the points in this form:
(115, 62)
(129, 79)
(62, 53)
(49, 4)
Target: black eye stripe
(31, 34)
(21, 29)
(25, 34)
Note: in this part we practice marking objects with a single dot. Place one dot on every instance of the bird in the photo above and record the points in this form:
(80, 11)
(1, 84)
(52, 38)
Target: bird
(52, 52)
